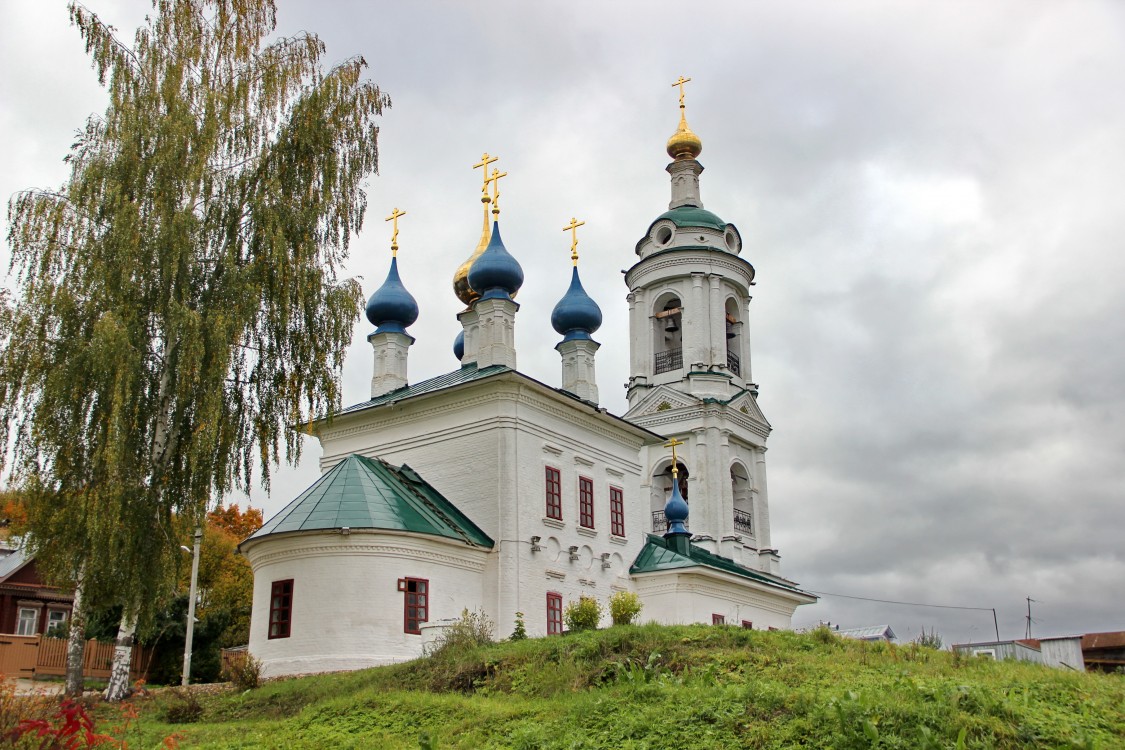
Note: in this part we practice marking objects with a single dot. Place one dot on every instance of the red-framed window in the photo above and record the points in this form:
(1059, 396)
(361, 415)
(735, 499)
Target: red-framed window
(748, 624)
(554, 613)
(586, 502)
(616, 511)
(554, 493)
(718, 619)
(281, 608)
(415, 603)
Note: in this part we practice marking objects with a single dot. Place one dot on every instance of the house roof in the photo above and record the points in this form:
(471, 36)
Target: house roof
(868, 632)
(365, 493)
(658, 555)
(12, 562)
(1114, 639)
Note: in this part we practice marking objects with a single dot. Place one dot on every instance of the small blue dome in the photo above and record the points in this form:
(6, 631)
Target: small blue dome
(391, 308)
(496, 274)
(459, 345)
(576, 315)
(676, 511)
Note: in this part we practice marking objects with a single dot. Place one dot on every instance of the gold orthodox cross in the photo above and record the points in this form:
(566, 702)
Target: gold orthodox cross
(681, 83)
(672, 444)
(573, 229)
(495, 180)
(394, 236)
(485, 160)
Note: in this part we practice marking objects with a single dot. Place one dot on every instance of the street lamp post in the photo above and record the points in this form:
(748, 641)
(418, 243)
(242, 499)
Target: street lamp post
(191, 606)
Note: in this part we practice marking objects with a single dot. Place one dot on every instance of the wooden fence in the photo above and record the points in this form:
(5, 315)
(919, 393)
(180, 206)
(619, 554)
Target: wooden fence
(38, 656)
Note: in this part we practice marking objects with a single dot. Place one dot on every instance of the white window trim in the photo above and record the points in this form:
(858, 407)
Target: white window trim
(34, 620)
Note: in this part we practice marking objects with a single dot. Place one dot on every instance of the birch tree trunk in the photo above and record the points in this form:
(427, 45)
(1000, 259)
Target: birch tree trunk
(76, 644)
(118, 687)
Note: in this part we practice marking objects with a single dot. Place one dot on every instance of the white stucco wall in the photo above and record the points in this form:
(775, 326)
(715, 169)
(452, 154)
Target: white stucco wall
(347, 611)
(679, 598)
(485, 448)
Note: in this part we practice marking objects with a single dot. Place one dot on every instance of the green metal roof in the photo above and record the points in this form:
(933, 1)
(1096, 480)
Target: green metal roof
(466, 374)
(364, 493)
(693, 216)
(657, 555)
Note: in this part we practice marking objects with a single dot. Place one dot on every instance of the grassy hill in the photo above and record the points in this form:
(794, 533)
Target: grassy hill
(667, 687)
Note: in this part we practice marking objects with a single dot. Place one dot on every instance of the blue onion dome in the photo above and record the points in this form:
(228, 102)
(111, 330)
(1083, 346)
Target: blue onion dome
(391, 308)
(459, 345)
(496, 274)
(676, 511)
(576, 315)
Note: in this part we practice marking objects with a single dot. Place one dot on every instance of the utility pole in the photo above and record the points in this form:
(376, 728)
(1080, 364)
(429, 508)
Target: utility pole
(1029, 601)
(191, 607)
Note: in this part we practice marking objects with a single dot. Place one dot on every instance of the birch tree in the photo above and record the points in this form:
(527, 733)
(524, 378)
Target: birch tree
(178, 300)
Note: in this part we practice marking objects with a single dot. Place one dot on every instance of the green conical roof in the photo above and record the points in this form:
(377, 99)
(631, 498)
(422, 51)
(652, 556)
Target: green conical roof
(362, 493)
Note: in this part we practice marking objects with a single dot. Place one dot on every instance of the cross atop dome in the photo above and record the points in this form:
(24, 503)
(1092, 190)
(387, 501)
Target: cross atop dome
(684, 144)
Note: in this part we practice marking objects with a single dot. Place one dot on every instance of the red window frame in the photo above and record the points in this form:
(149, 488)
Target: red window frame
(554, 493)
(281, 608)
(586, 502)
(616, 511)
(718, 619)
(748, 624)
(554, 613)
(415, 603)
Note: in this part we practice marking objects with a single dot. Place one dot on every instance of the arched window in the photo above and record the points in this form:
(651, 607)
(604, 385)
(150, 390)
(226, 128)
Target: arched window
(667, 333)
(734, 337)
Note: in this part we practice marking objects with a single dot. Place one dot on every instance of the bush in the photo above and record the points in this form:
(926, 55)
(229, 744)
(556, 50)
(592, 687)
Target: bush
(472, 630)
(244, 672)
(583, 614)
(186, 708)
(930, 639)
(624, 606)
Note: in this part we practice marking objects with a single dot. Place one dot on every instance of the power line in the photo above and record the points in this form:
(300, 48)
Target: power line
(889, 601)
(995, 622)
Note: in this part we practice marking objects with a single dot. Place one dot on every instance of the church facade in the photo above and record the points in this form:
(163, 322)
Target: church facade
(486, 489)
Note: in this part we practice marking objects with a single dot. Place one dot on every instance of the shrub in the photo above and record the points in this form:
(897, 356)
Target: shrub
(624, 606)
(244, 672)
(583, 614)
(520, 631)
(186, 708)
(472, 630)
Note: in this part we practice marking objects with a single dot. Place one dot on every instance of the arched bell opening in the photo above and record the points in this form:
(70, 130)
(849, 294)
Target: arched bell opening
(742, 490)
(667, 334)
(734, 337)
(662, 490)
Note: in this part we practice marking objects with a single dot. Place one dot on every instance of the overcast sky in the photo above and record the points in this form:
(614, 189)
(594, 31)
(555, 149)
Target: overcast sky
(933, 196)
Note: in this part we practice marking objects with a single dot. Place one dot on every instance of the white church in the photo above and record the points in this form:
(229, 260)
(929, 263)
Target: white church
(486, 489)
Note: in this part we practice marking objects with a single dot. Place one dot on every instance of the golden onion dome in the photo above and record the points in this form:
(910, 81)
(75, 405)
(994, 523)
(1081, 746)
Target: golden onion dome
(684, 144)
(461, 287)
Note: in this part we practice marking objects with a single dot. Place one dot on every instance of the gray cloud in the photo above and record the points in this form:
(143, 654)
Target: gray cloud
(931, 196)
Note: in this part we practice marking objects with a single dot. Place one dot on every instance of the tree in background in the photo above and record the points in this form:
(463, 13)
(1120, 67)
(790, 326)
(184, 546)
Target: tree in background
(225, 595)
(178, 299)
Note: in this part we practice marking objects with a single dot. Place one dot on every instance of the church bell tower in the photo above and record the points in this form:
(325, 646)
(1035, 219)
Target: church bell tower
(690, 377)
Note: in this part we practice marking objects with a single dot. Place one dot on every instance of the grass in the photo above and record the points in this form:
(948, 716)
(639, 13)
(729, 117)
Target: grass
(634, 687)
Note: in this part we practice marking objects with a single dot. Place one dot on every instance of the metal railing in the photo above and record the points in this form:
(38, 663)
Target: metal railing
(734, 364)
(743, 521)
(659, 522)
(673, 359)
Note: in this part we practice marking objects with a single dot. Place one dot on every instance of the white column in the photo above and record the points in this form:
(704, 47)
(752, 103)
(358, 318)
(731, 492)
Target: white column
(578, 368)
(390, 351)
